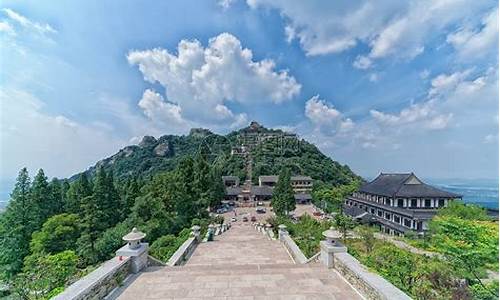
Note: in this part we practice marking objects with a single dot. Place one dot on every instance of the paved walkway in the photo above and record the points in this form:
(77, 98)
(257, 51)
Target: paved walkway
(240, 264)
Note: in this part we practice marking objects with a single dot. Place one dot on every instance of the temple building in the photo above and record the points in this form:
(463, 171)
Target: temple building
(397, 203)
(248, 193)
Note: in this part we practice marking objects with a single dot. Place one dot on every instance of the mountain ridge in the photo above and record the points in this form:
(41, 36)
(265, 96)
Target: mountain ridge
(269, 149)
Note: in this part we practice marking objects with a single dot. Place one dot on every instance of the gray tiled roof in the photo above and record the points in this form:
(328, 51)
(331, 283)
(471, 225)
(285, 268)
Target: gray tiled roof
(403, 185)
(303, 196)
(233, 191)
(269, 178)
(301, 178)
(261, 190)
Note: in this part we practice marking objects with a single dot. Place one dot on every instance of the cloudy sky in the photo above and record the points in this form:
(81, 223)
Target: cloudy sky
(381, 86)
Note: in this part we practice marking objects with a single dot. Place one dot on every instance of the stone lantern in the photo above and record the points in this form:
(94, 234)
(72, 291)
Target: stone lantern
(211, 232)
(134, 238)
(195, 231)
(136, 251)
(282, 231)
(332, 236)
(331, 245)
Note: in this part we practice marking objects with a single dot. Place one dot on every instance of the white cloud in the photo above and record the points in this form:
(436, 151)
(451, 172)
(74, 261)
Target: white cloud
(424, 74)
(477, 42)
(34, 139)
(423, 114)
(390, 28)
(326, 118)
(160, 111)
(5, 27)
(42, 28)
(225, 4)
(374, 77)
(491, 138)
(362, 62)
(202, 81)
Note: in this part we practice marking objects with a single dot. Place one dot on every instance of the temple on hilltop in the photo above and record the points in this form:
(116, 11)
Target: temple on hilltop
(397, 203)
(248, 194)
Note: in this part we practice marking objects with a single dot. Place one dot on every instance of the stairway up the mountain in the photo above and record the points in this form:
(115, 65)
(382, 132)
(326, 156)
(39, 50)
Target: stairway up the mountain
(240, 264)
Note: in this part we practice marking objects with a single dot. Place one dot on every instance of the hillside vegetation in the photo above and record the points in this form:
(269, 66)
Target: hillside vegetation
(152, 156)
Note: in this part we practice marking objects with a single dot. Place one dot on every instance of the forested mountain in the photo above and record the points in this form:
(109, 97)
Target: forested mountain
(269, 151)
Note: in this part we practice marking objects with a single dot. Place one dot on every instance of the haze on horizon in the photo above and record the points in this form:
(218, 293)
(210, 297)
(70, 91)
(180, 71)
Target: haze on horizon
(395, 86)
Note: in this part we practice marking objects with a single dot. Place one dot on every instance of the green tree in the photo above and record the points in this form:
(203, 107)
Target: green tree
(77, 191)
(217, 189)
(132, 191)
(42, 199)
(344, 224)
(165, 246)
(366, 234)
(58, 233)
(283, 200)
(467, 212)
(185, 193)
(111, 204)
(92, 224)
(58, 196)
(202, 177)
(468, 245)
(111, 240)
(16, 226)
(45, 274)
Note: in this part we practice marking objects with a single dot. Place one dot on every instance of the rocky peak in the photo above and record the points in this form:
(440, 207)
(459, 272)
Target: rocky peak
(147, 140)
(199, 132)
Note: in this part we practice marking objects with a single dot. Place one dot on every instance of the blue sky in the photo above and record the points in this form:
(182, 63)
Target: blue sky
(396, 86)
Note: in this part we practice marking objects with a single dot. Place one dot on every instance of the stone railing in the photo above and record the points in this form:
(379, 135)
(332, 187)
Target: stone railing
(183, 252)
(294, 250)
(291, 246)
(100, 282)
(371, 285)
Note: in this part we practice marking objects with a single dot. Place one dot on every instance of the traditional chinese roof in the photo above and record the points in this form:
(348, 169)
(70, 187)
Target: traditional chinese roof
(405, 185)
(224, 178)
(261, 190)
(303, 196)
(269, 178)
(300, 177)
(233, 191)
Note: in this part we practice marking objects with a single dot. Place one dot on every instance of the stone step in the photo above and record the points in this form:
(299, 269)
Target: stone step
(241, 282)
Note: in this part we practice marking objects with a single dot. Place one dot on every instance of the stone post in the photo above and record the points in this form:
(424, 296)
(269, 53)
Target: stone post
(329, 246)
(137, 251)
(282, 231)
(195, 231)
(211, 232)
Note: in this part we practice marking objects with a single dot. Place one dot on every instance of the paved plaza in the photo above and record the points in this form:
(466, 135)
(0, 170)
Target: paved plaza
(240, 264)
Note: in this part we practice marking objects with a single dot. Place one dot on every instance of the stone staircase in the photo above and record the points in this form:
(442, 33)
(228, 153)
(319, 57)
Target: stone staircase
(239, 264)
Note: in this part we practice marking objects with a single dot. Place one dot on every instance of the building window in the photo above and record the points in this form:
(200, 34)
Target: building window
(407, 223)
(400, 202)
(440, 202)
(413, 203)
(427, 202)
(379, 213)
(388, 216)
(387, 202)
(397, 219)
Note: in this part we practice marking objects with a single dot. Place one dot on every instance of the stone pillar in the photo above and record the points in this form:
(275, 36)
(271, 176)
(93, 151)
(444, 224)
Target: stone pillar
(282, 232)
(137, 251)
(195, 231)
(269, 229)
(330, 246)
(210, 232)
